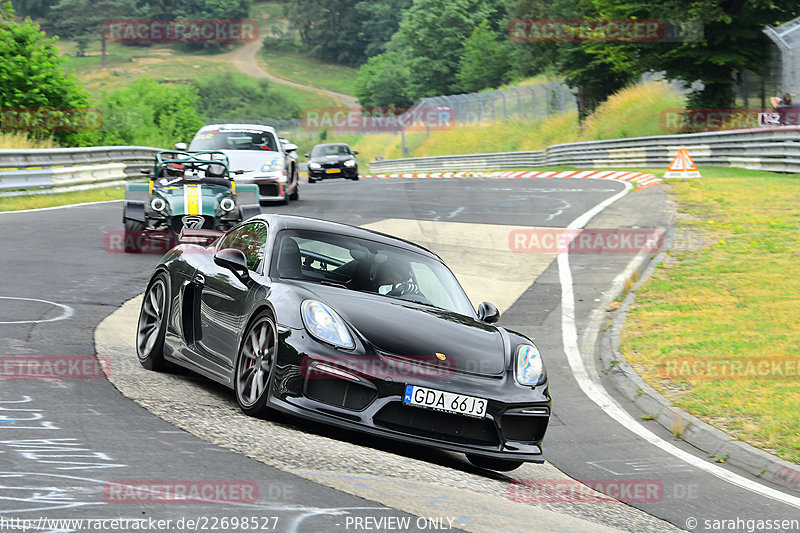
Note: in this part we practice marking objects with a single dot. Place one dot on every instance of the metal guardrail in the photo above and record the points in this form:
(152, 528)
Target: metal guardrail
(59, 169)
(774, 149)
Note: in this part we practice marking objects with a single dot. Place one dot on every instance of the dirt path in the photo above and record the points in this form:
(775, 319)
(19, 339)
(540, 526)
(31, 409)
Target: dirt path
(244, 58)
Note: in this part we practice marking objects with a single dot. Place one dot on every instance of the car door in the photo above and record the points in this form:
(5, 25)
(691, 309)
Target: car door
(223, 297)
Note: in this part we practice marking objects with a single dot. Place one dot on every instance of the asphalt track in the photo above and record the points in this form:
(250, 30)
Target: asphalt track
(94, 435)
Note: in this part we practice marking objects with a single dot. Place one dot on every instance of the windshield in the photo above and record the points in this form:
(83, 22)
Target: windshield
(330, 149)
(241, 139)
(367, 266)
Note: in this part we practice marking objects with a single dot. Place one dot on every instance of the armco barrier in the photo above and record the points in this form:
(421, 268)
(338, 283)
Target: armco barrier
(774, 149)
(58, 169)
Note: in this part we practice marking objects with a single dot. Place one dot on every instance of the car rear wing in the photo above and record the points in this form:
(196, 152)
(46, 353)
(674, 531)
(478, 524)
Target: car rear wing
(203, 237)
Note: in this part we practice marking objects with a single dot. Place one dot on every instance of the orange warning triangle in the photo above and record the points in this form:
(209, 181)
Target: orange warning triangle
(682, 166)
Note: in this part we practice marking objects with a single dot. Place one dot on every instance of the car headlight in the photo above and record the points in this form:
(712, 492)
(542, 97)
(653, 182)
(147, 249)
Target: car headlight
(323, 323)
(273, 165)
(528, 366)
(227, 204)
(158, 204)
(315, 166)
(350, 163)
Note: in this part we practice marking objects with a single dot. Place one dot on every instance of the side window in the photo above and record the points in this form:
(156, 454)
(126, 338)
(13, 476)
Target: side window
(250, 239)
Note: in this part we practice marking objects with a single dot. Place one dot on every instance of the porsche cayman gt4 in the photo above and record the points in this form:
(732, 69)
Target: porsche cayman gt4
(347, 327)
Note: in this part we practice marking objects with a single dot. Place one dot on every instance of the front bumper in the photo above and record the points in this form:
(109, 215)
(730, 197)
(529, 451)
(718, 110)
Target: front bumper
(321, 174)
(270, 188)
(373, 402)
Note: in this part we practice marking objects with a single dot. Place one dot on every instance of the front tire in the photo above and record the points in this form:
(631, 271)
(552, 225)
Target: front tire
(296, 193)
(489, 463)
(254, 365)
(134, 232)
(151, 329)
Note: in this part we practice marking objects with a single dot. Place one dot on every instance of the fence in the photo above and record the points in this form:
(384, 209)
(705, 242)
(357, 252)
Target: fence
(524, 103)
(787, 38)
(776, 149)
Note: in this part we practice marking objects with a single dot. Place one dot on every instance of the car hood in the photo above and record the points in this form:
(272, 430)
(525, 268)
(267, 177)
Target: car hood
(250, 160)
(340, 158)
(419, 332)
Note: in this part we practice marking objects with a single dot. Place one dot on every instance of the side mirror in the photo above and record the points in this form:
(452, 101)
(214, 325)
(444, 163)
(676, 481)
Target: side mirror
(232, 259)
(487, 313)
(355, 152)
(145, 171)
(290, 147)
(238, 171)
(181, 146)
(307, 155)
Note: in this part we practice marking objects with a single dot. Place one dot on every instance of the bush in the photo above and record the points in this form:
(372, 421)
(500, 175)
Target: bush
(147, 113)
(226, 97)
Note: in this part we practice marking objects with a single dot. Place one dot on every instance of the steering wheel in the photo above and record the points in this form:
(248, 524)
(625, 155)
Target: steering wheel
(404, 287)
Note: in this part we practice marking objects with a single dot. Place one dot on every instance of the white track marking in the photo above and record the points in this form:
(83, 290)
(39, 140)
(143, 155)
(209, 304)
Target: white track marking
(67, 311)
(591, 386)
(59, 207)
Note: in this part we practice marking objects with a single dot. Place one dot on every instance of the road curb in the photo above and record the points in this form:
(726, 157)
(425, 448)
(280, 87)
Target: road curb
(703, 436)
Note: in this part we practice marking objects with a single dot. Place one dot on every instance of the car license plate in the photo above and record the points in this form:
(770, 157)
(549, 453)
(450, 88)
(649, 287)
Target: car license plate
(448, 402)
(333, 171)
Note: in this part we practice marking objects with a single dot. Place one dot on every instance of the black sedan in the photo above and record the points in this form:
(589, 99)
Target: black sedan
(332, 160)
(347, 327)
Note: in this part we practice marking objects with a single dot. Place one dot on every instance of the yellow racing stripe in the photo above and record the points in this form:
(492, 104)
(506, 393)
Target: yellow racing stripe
(192, 195)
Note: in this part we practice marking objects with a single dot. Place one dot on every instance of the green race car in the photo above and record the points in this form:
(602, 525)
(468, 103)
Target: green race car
(186, 190)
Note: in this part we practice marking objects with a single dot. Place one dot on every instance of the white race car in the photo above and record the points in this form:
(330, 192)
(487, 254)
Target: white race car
(256, 150)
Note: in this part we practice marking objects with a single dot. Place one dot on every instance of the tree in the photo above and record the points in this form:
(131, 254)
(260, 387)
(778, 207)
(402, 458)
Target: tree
(732, 41)
(83, 20)
(595, 69)
(33, 8)
(31, 76)
(383, 82)
(432, 35)
(485, 62)
(380, 20)
(329, 29)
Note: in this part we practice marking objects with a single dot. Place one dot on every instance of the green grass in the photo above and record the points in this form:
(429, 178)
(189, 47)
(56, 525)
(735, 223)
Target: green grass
(727, 297)
(302, 68)
(285, 59)
(34, 201)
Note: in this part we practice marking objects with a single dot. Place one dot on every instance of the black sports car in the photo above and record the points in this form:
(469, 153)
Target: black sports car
(332, 160)
(348, 327)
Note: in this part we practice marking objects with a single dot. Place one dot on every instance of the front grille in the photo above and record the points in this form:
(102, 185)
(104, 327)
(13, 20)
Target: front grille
(269, 188)
(339, 392)
(522, 428)
(458, 429)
